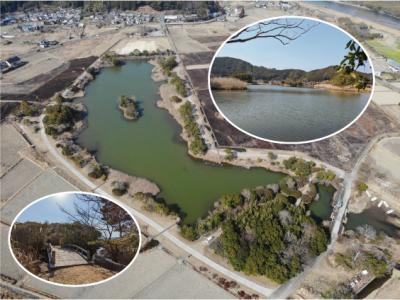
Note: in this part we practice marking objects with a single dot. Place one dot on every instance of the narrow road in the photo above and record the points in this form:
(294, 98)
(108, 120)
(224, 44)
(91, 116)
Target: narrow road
(233, 275)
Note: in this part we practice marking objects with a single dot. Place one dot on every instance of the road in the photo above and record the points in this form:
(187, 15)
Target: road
(233, 275)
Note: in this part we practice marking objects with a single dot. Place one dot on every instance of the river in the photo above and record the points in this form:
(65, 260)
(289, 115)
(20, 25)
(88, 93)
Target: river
(361, 12)
(290, 114)
(151, 147)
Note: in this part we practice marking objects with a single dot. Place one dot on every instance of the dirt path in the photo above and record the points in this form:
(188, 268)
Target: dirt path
(81, 274)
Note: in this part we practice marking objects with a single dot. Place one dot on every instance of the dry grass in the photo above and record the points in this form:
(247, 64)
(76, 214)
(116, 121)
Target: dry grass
(227, 83)
(81, 274)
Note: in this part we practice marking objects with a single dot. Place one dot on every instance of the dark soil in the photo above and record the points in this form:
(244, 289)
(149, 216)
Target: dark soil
(199, 78)
(198, 58)
(209, 39)
(72, 70)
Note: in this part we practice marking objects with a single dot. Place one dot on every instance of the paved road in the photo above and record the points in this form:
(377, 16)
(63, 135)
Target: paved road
(67, 258)
(233, 275)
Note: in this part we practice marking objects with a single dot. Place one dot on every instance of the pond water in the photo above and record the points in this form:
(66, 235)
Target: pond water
(151, 148)
(321, 210)
(290, 114)
(375, 217)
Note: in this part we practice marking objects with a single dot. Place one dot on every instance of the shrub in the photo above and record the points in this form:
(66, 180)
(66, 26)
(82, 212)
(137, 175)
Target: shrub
(50, 131)
(136, 52)
(299, 166)
(58, 114)
(96, 171)
(27, 109)
(326, 175)
(66, 150)
(189, 232)
(362, 187)
(78, 160)
(377, 266)
(175, 99)
(92, 71)
(344, 260)
(272, 156)
(229, 154)
(113, 59)
(59, 99)
(179, 85)
(167, 64)
(119, 188)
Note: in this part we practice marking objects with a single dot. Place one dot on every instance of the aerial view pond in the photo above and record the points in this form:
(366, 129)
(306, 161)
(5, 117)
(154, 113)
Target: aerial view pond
(150, 147)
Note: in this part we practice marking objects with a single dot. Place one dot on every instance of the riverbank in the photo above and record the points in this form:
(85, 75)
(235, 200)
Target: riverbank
(227, 83)
(335, 14)
(341, 89)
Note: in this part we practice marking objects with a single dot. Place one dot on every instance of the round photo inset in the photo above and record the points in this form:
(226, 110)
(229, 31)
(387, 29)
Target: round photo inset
(74, 238)
(291, 80)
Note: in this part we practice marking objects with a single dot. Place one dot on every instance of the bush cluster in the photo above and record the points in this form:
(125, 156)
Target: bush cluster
(299, 166)
(197, 145)
(56, 115)
(175, 99)
(263, 233)
(168, 64)
(179, 85)
(150, 204)
(25, 109)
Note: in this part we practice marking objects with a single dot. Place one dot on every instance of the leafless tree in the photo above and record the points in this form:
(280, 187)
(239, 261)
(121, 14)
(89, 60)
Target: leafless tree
(282, 30)
(103, 215)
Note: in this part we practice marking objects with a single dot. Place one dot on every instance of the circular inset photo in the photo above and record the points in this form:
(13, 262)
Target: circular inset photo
(291, 80)
(74, 238)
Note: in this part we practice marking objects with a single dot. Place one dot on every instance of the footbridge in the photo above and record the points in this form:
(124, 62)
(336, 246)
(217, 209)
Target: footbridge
(67, 256)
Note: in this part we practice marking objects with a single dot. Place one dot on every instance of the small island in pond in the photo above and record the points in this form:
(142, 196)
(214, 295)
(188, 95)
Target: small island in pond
(129, 107)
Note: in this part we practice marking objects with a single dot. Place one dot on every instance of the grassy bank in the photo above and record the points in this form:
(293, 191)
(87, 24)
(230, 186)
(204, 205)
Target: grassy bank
(227, 83)
(384, 50)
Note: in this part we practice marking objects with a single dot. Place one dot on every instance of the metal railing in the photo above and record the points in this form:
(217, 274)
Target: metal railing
(82, 252)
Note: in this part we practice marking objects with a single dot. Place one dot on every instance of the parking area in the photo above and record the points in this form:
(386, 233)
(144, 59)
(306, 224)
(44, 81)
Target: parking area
(16, 178)
(9, 150)
(48, 182)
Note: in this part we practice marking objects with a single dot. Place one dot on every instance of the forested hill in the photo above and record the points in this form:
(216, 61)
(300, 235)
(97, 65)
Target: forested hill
(233, 67)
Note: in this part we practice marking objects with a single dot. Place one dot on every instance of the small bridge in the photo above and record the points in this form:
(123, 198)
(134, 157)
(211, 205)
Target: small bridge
(67, 256)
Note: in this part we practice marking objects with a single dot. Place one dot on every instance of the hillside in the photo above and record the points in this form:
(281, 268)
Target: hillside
(233, 67)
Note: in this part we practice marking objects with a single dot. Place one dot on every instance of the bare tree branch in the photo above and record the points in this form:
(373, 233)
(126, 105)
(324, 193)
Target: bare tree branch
(283, 31)
(89, 212)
